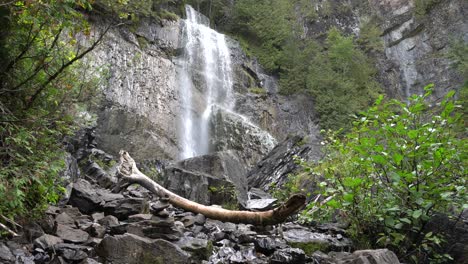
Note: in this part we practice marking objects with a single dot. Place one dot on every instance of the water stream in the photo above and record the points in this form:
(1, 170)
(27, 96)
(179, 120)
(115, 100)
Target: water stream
(205, 81)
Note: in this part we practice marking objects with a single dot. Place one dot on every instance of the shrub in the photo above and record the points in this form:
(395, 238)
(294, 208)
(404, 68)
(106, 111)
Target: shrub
(399, 165)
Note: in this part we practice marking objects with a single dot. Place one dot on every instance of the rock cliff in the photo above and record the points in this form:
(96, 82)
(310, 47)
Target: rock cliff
(417, 35)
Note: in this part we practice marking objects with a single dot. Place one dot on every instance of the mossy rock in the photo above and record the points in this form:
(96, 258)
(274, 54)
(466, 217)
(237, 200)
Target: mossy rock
(310, 247)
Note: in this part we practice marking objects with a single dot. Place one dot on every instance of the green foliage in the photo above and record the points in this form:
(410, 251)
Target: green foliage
(369, 36)
(399, 166)
(257, 90)
(422, 7)
(267, 27)
(341, 80)
(41, 83)
(337, 73)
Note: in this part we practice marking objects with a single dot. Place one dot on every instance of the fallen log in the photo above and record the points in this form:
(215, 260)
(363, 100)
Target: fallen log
(131, 174)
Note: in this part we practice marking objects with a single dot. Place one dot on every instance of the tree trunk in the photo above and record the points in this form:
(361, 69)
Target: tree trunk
(130, 173)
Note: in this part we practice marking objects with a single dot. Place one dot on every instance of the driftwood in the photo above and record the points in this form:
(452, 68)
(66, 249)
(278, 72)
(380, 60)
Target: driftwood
(130, 174)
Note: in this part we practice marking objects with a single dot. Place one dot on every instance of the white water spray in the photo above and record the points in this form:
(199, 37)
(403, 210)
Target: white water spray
(207, 60)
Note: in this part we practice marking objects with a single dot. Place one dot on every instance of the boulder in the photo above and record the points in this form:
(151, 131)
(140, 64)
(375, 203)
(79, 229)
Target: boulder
(163, 228)
(90, 199)
(200, 249)
(70, 234)
(260, 204)
(217, 178)
(232, 131)
(274, 168)
(133, 249)
(123, 208)
(377, 256)
(47, 241)
(288, 256)
(310, 242)
(5, 254)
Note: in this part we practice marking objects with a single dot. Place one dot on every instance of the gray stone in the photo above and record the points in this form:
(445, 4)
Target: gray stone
(90, 199)
(288, 256)
(64, 219)
(199, 248)
(96, 230)
(159, 206)
(303, 238)
(155, 229)
(273, 169)
(47, 241)
(70, 234)
(123, 208)
(132, 249)
(233, 131)
(209, 179)
(378, 256)
(109, 220)
(139, 217)
(268, 245)
(5, 254)
(260, 204)
(97, 216)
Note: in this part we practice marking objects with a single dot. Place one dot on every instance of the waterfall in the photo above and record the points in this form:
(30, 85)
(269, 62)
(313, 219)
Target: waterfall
(205, 69)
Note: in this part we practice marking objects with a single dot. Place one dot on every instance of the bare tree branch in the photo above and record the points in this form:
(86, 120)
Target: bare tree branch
(130, 173)
(63, 67)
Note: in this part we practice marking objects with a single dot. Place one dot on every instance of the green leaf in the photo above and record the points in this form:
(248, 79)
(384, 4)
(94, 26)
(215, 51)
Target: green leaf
(379, 159)
(416, 214)
(412, 134)
(397, 157)
(348, 197)
(405, 220)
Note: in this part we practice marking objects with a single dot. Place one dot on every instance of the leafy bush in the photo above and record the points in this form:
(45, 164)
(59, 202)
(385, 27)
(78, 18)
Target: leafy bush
(41, 81)
(399, 166)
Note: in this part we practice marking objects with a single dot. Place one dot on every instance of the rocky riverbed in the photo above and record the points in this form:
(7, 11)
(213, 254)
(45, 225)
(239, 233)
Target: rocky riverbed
(93, 224)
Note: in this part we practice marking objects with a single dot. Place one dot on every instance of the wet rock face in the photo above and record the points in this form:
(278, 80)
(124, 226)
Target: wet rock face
(277, 114)
(416, 40)
(274, 168)
(132, 249)
(217, 178)
(140, 104)
(232, 131)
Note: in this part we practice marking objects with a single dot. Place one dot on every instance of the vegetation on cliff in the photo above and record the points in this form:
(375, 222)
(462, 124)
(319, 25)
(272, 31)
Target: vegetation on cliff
(399, 166)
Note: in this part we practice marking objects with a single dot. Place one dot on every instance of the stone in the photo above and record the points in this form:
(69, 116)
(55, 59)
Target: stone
(159, 206)
(123, 208)
(85, 197)
(47, 241)
(274, 168)
(200, 219)
(96, 230)
(97, 216)
(155, 229)
(70, 234)
(233, 131)
(64, 219)
(268, 245)
(132, 249)
(5, 254)
(32, 231)
(255, 193)
(216, 178)
(109, 220)
(312, 241)
(139, 217)
(288, 256)
(200, 249)
(379, 256)
(260, 204)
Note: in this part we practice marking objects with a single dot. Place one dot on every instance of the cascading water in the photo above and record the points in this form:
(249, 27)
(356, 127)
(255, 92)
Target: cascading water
(204, 68)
